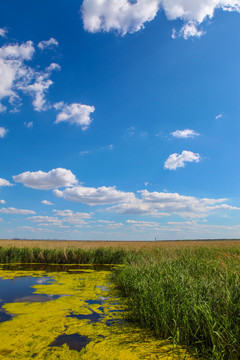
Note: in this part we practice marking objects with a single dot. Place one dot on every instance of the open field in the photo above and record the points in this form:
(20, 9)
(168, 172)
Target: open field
(128, 245)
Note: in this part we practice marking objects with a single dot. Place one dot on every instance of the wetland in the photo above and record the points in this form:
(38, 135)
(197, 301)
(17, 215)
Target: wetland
(70, 312)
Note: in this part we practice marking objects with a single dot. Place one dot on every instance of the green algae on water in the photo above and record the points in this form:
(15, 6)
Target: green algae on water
(35, 326)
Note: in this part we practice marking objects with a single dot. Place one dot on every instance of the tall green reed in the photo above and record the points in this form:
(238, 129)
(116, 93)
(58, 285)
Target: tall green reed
(190, 296)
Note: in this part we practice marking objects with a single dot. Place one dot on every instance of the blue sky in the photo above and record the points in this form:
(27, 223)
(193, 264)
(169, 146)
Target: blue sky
(119, 120)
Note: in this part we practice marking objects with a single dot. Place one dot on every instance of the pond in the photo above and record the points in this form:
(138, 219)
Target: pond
(70, 312)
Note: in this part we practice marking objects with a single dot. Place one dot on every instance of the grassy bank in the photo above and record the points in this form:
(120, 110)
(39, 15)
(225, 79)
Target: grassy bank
(190, 296)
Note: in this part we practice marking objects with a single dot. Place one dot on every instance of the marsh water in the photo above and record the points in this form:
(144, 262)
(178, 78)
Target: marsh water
(70, 312)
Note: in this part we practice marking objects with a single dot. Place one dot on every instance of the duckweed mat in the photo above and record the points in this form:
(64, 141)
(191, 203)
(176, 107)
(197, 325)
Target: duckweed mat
(73, 312)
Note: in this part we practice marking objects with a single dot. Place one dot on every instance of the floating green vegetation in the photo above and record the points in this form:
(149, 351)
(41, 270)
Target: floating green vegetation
(85, 322)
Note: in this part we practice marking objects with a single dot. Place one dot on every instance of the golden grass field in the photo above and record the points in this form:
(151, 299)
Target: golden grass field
(134, 245)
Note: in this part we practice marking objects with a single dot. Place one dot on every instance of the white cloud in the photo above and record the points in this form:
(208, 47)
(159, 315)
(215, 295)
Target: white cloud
(3, 32)
(143, 224)
(71, 214)
(47, 43)
(3, 132)
(46, 202)
(130, 16)
(175, 160)
(120, 15)
(94, 196)
(40, 86)
(17, 76)
(84, 152)
(67, 216)
(46, 180)
(12, 210)
(2, 202)
(29, 124)
(74, 114)
(49, 220)
(160, 204)
(2, 108)
(4, 182)
(188, 30)
(219, 116)
(187, 133)
(24, 51)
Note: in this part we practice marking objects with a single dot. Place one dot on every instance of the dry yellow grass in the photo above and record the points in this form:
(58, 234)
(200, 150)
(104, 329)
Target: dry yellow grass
(137, 245)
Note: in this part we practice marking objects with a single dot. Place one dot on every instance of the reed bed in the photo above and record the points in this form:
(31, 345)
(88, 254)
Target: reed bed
(190, 296)
(62, 256)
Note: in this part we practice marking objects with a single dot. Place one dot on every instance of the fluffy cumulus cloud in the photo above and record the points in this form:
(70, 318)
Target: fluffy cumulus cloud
(47, 43)
(13, 211)
(46, 202)
(3, 132)
(18, 76)
(94, 196)
(188, 30)
(4, 182)
(159, 204)
(74, 114)
(130, 16)
(122, 15)
(175, 160)
(187, 133)
(46, 180)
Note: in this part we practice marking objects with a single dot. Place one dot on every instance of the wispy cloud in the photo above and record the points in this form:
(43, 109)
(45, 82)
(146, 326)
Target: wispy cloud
(47, 43)
(219, 116)
(12, 210)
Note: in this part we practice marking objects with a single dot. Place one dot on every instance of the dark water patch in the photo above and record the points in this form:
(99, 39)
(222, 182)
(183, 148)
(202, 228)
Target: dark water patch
(74, 341)
(93, 317)
(20, 290)
(12, 289)
(4, 316)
